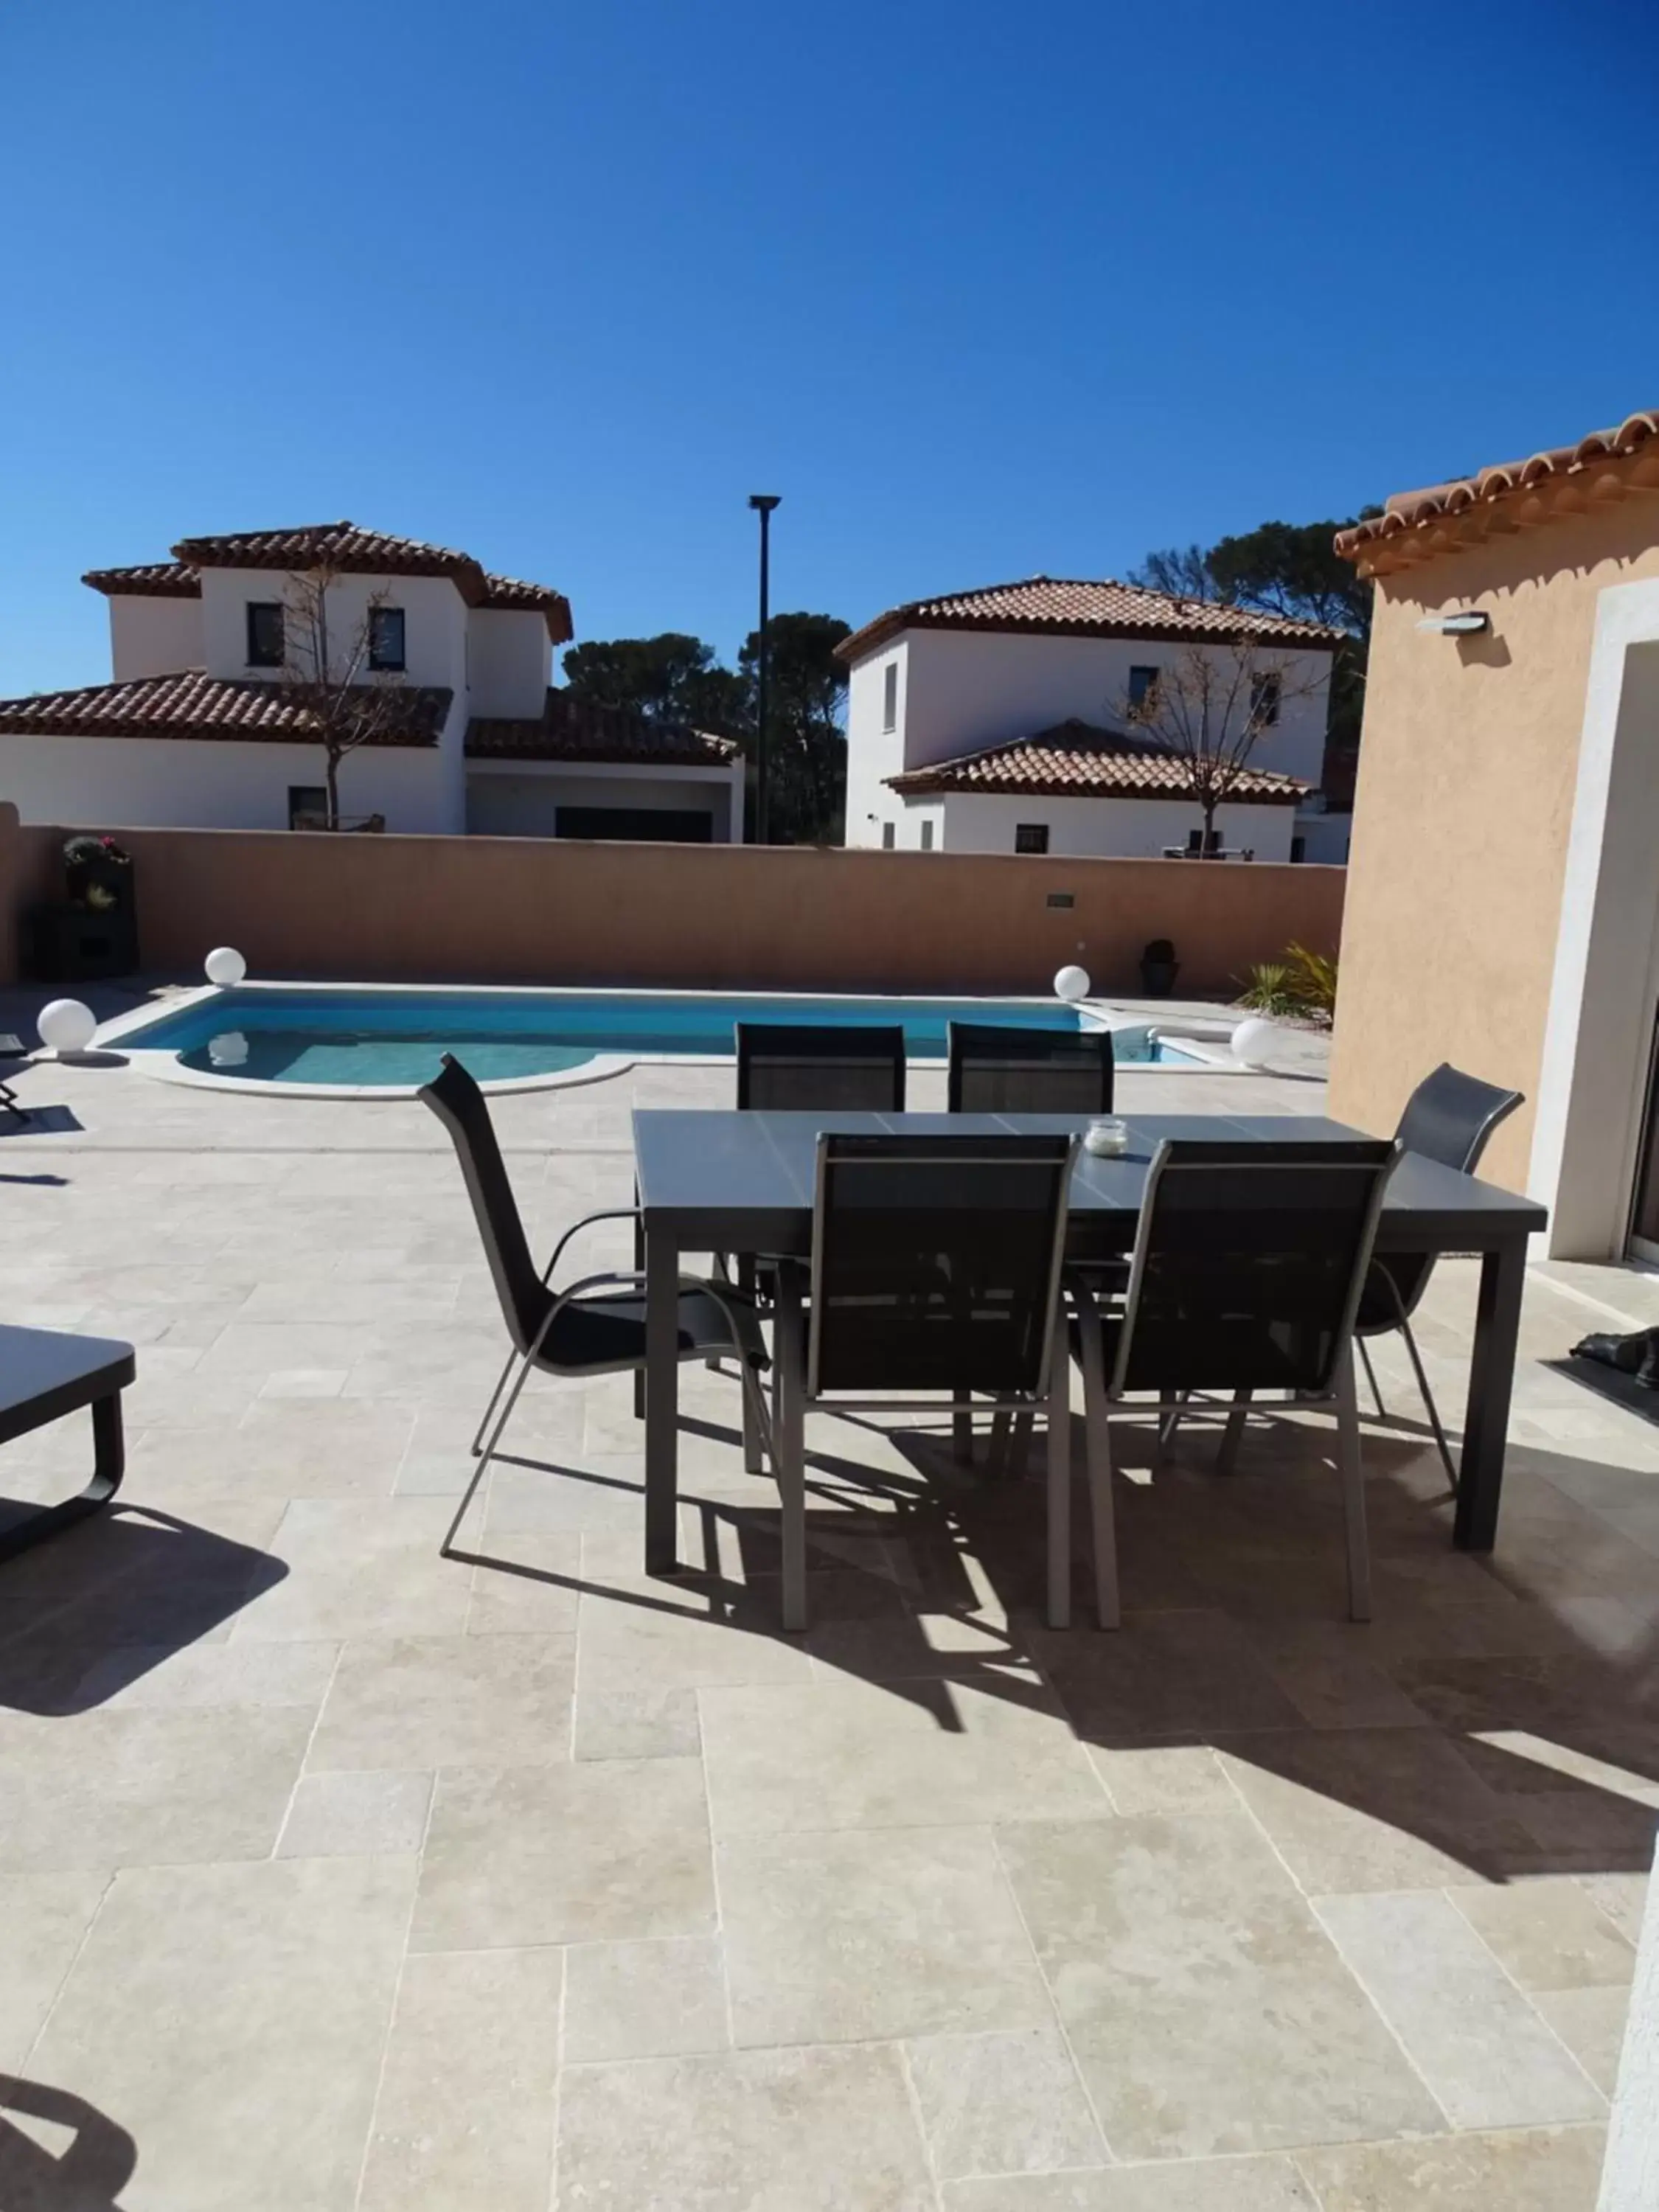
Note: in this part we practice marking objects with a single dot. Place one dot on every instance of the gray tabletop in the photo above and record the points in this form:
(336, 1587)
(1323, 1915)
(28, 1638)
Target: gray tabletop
(704, 1175)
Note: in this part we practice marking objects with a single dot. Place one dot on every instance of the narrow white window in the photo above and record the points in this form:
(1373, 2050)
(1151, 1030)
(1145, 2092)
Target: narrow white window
(889, 696)
(927, 836)
(887, 837)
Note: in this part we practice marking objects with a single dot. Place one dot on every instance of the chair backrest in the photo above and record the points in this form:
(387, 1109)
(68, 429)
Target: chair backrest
(823, 1068)
(1450, 1116)
(936, 1261)
(998, 1069)
(1249, 1263)
(459, 1104)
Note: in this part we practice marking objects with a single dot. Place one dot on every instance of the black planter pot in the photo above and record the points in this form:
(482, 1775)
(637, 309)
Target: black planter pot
(1158, 977)
(115, 877)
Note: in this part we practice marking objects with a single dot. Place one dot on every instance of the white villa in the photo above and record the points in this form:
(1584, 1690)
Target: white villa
(199, 728)
(994, 721)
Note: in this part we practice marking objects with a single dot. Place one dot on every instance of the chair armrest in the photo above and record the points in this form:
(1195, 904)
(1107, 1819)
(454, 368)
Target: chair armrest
(609, 1213)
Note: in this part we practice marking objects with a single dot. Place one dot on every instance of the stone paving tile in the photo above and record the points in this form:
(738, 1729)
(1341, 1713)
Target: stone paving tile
(796, 2130)
(431, 1701)
(1207, 2009)
(1001, 2104)
(637, 1724)
(1542, 2170)
(354, 1815)
(658, 2000)
(44, 1925)
(1206, 2185)
(1547, 1935)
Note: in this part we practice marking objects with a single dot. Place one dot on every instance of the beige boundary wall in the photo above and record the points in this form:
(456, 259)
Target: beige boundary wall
(511, 911)
(1468, 776)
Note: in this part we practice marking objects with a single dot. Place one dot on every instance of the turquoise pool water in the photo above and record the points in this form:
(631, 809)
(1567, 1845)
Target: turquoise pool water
(395, 1038)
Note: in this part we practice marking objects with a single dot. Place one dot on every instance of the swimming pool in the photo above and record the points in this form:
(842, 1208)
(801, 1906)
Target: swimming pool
(349, 1038)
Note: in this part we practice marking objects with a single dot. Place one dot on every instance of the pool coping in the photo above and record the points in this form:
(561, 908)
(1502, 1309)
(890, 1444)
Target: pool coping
(162, 1064)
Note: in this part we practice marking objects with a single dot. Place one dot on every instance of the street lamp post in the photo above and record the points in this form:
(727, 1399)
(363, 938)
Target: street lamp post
(762, 502)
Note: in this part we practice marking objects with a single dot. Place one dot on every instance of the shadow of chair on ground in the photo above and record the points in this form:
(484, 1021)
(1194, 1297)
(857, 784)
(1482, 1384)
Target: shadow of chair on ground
(91, 1611)
(87, 2173)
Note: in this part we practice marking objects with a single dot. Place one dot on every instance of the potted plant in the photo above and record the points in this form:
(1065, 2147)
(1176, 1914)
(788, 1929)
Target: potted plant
(97, 873)
(1158, 968)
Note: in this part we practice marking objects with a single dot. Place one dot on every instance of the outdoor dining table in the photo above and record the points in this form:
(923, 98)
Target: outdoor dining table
(717, 1180)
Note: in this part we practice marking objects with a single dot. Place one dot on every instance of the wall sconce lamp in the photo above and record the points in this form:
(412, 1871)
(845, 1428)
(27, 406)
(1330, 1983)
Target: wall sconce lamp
(1459, 625)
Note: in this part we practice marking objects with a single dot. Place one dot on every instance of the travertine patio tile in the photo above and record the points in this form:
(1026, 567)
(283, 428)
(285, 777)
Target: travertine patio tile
(284, 1448)
(1376, 1808)
(526, 1585)
(656, 2000)
(361, 1567)
(800, 2130)
(1547, 1935)
(1154, 1774)
(1533, 2170)
(637, 1724)
(1002, 2104)
(105, 1790)
(647, 1633)
(1591, 2022)
(466, 2113)
(1487, 2056)
(1207, 2009)
(850, 1935)
(275, 1983)
(1207, 2185)
(597, 1851)
(448, 1701)
(42, 1928)
(846, 1754)
(1181, 1671)
(376, 1814)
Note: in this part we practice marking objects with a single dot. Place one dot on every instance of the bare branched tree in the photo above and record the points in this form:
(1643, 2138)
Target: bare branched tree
(348, 701)
(1210, 708)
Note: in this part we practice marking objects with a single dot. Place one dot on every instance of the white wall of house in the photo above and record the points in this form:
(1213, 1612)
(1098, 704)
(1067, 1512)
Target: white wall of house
(510, 661)
(152, 636)
(962, 690)
(167, 783)
(1079, 828)
(435, 626)
(1325, 838)
(517, 798)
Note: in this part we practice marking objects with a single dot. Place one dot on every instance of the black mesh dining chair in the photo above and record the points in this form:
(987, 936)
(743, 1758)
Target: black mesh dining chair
(935, 1271)
(823, 1068)
(1000, 1069)
(595, 1325)
(1249, 1265)
(1449, 1118)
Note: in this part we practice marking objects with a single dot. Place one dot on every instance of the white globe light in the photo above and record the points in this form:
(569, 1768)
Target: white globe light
(67, 1025)
(228, 1049)
(225, 967)
(1253, 1040)
(1072, 984)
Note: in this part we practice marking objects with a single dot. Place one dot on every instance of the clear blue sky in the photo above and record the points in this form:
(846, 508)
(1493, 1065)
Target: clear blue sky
(981, 290)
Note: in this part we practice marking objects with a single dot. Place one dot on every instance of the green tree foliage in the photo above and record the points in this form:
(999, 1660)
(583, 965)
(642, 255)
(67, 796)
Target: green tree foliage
(1287, 568)
(676, 678)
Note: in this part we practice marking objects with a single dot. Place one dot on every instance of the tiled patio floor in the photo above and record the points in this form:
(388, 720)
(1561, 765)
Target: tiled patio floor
(336, 1875)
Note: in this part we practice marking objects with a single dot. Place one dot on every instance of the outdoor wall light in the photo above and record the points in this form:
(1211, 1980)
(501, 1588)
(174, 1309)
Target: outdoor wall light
(1459, 625)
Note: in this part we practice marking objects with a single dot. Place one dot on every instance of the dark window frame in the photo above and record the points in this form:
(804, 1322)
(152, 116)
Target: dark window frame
(1143, 683)
(889, 836)
(310, 799)
(1270, 688)
(378, 660)
(927, 836)
(258, 651)
(1031, 837)
(889, 698)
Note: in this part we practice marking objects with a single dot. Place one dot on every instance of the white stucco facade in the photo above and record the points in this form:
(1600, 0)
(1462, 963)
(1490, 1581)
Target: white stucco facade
(495, 661)
(958, 691)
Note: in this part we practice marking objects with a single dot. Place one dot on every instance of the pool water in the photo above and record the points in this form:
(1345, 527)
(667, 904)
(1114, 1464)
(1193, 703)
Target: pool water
(362, 1039)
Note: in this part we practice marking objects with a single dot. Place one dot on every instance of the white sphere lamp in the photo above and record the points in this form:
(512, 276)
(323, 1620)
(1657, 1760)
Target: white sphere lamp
(225, 966)
(1072, 984)
(67, 1025)
(1253, 1041)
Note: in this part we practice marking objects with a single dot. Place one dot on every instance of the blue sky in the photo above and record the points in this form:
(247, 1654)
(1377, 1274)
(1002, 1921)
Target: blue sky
(981, 291)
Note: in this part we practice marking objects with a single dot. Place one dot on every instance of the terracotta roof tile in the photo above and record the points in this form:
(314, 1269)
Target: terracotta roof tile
(1073, 761)
(574, 728)
(1059, 606)
(345, 546)
(1564, 480)
(193, 705)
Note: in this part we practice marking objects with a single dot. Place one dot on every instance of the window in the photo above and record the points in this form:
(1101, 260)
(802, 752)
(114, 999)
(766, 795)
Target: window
(386, 637)
(1265, 694)
(265, 634)
(887, 837)
(1298, 849)
(1031, 837)
(308, 806)
(889, 696)
(1143, 689)
(927, 836)
(1202, 847)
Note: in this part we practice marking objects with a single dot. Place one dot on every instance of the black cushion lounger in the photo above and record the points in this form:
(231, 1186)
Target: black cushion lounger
(45, 1373)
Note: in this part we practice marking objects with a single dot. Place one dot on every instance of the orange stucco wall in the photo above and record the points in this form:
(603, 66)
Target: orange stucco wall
(1467, 769)
(531, 910)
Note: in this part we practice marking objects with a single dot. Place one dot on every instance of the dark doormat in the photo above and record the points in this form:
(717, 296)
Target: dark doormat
(1608, 1382)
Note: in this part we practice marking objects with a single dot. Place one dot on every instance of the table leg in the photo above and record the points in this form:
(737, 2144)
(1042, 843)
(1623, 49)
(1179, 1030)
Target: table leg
(1492, 1375)
(108, 1465)
(789, 1351)
(639, 1269)
(662, 1412)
